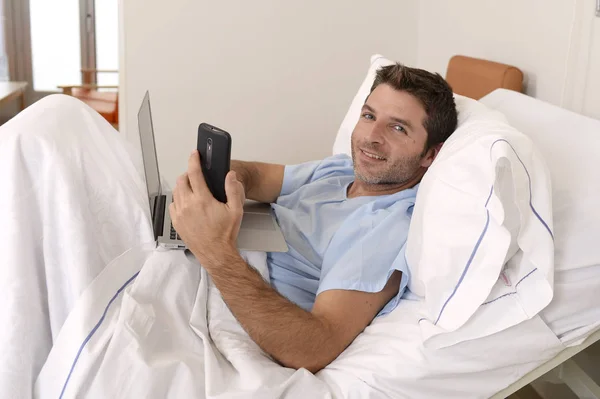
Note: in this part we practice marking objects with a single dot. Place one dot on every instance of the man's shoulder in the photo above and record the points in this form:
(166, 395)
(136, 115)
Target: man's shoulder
(334, 166)
(309, 173)
(337, 161)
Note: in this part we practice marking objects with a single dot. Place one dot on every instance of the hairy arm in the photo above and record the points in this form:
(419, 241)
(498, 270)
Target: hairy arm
(262, 181)
(292, 336)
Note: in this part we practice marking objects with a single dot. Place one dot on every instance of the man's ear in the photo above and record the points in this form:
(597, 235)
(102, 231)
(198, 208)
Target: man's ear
(430, 155)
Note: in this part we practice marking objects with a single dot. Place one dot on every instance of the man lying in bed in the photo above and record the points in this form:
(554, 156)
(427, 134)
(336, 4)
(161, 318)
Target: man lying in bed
(345, 221)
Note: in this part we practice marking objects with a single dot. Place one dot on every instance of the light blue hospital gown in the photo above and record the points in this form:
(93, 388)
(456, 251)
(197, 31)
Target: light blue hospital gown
(337, 242)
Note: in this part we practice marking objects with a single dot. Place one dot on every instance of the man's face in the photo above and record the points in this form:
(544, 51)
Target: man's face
(389, 139)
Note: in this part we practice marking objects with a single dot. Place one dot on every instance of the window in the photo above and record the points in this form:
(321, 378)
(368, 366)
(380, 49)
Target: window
(107, 41)
(49, 42)
(55, 43)
(3, 55)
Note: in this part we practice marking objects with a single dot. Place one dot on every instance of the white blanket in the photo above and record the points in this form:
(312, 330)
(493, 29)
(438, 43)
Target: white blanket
(166, 333)
(91, 309)
(72, 201)
(76, 237)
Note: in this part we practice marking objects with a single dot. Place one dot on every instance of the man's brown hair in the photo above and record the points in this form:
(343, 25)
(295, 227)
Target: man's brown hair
(431, 90)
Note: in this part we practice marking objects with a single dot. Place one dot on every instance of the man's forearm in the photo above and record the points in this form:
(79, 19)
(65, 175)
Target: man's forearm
(262, 181)
(292, 336)
(244, 174)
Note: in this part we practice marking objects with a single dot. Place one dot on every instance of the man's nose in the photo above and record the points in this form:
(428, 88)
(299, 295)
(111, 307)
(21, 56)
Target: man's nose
(376, 134)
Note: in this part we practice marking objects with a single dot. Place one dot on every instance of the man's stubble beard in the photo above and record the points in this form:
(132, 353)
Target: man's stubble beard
(399, 172)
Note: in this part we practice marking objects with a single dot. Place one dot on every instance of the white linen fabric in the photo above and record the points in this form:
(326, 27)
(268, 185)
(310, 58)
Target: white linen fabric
(570, 144)
(171, 335)
(481, 241)
(162, 331)
(145, 323)
(72, 200)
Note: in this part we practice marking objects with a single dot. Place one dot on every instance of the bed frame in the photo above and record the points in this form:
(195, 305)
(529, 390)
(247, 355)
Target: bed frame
(567, 371)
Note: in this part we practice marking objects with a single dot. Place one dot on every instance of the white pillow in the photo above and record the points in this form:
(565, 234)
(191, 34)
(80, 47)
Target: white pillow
(463, 233)
(342, 140)
(570, 143)
(481, 243)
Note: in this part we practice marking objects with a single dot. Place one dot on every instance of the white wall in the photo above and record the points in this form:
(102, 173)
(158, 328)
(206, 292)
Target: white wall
(277, 75)
(532, 35)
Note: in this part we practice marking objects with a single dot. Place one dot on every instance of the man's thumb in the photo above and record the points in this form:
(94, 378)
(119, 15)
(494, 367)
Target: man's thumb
(234, 189)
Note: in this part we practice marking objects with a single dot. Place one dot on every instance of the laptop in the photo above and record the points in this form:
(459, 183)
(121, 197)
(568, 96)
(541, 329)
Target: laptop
(259, 230)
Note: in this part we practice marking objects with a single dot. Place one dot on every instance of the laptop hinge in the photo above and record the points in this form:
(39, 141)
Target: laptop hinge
(159, 215)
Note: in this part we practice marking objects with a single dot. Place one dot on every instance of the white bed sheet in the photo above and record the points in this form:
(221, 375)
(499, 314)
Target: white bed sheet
(389, 360)
(574, 313)
(570, 143)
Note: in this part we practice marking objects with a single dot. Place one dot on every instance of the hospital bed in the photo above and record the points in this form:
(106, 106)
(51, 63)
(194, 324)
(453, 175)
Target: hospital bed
(535, 117)
(474, 77)
(389, 359)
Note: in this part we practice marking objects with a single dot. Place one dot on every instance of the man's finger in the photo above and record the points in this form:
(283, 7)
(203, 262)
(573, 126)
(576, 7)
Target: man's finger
(234, 189)
(176, 198)
(182, 189)
(172, 208)
(197, 181)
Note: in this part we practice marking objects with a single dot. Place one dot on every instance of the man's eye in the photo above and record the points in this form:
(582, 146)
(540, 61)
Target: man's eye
(367, 115)
(399, 128)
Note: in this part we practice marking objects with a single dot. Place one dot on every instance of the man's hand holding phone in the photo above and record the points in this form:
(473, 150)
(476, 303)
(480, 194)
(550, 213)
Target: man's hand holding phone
(214, 146)
(208, 226)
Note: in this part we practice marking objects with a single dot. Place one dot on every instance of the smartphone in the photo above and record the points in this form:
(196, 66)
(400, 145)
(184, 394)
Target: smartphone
(214, 146)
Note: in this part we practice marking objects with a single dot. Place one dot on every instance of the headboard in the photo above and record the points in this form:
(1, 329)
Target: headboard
(473, 77)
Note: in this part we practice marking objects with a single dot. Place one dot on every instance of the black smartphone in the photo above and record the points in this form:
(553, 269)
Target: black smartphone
(214, 146)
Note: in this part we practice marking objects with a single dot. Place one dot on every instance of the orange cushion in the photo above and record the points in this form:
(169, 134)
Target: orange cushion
(473, 77)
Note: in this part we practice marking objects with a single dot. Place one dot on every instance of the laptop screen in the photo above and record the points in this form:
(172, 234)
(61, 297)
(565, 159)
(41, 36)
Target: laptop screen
(146, 131)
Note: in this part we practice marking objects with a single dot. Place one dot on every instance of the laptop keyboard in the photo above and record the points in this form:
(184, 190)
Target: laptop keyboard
(173, 234)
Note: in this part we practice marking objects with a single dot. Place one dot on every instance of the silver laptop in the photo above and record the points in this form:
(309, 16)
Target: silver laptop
(259, 230)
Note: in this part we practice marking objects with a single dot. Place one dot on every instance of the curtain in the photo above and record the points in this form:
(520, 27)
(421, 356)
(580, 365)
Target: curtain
(3, 55)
